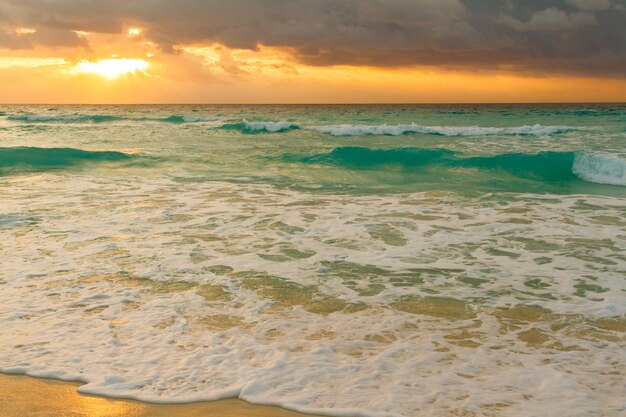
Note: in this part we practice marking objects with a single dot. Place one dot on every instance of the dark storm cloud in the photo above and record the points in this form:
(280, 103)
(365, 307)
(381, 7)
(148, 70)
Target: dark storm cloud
(46, 37)
(542, 36)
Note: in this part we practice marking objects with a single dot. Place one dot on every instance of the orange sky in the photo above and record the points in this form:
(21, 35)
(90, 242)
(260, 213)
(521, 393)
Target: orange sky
(127, 68)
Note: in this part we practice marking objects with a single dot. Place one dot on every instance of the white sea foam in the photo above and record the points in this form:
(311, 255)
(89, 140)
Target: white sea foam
(169, 290)
(601, 169)
(335, 130)
(395, 130)
(267, 126)
(195, 119)
(116, 285)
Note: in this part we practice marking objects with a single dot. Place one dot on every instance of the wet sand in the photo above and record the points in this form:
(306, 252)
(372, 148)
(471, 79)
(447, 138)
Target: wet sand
(23, 396)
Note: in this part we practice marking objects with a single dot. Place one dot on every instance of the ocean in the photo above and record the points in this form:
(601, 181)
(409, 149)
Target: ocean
(347, 260)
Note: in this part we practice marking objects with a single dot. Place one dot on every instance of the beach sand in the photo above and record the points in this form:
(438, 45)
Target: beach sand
(24, 396)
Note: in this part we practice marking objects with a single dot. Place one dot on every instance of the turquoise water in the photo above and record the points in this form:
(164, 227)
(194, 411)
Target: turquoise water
(400, 260)
(521, 148)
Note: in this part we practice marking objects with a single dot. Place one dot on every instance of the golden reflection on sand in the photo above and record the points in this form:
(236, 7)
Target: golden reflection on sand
(23, 396)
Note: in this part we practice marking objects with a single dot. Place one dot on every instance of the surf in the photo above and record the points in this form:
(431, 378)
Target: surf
(32, 159)
(246, 126)
(552, 167)
(402, 129)
(252, 127)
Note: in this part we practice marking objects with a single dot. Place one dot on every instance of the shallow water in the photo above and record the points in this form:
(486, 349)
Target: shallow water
(345, 260)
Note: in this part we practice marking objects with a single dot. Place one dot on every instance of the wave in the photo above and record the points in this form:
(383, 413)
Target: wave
(545, 166)
(401, 129)
(42, 118)
(395, 130)
(102, 118)
(365, 158)
(30, 159)
(253, 127)
(246, 126)
(600, 169)
(583, 112)
(182, 119)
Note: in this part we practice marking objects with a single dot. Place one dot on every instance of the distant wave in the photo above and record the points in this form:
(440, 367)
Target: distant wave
(41, 118)
(255, 127)
(395, 130)
(582, 112)
(184, 119)
(260, 126)
(102, 118)
(545, 166)
(401, 129)
(29, 159)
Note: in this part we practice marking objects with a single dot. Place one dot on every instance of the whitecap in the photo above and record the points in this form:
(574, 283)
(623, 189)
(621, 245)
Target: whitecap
(601, 169)
(194, 119)
(266, 126)
(400, 129)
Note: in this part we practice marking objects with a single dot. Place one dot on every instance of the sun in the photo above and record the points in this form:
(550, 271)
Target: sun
(112, 68)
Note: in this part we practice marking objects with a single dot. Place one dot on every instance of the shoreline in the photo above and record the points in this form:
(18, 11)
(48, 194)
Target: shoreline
(27, 396)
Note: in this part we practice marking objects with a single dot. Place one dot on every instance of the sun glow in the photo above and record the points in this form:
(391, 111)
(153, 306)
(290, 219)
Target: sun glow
(112, 68)
(25, 31)
(31, 62)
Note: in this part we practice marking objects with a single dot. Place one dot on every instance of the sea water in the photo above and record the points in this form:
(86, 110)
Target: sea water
(381, 260)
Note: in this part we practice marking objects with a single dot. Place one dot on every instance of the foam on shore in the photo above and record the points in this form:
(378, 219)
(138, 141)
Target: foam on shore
(347, 305)
(55, 398)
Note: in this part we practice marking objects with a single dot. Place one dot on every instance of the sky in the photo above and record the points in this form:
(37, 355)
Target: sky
(312, 51)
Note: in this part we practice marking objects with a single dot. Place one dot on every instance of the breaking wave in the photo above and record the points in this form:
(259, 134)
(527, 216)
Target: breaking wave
(600, 169)
(395, 130)
(545, 166)
(185, 119)
(29, 159)
(401, 129)
(260, 126)
(253, 127)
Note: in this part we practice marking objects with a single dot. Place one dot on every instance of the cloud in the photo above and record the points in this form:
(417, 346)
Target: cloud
(552, 19)
(591, 5)
(46, 36)
(548, 36)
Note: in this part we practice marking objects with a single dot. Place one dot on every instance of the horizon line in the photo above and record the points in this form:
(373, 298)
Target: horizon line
(320, 104)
